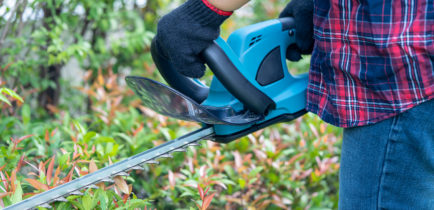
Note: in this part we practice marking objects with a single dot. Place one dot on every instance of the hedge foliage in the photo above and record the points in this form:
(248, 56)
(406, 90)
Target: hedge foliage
(66, 111)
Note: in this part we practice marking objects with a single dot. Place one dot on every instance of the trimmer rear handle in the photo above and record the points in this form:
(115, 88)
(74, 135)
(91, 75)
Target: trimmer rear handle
(231, 78)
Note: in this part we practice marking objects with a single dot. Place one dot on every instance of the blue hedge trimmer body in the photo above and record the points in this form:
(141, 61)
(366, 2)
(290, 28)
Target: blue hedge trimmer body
(252, 87)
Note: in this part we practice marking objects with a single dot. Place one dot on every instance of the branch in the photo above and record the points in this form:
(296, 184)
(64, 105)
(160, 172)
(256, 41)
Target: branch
(6, 29)
(32, 28)
(20, 22)
(85, 26)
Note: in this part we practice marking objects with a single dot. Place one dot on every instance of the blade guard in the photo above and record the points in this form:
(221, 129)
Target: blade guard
(170, 102)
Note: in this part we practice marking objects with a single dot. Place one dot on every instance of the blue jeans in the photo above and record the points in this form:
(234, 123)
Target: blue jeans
(390, 165)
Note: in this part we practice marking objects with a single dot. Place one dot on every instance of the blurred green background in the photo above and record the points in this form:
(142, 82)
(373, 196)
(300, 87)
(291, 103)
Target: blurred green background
(65, 111)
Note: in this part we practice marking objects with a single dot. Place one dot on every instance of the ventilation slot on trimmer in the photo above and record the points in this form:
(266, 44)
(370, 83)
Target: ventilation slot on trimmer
(255, 39)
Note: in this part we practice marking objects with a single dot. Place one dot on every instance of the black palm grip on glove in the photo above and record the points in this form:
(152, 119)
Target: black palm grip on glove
(302, 12)
(185, 32)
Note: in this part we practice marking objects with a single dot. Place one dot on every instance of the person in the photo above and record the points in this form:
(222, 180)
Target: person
(371, 73)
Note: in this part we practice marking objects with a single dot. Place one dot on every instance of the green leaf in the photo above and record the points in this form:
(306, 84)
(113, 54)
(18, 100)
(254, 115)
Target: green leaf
(103, 200)
(135, 203)
(243, 145)
(18, 195)
(186, 193)
(229, 170)
(88, 136)
(255, 171)
(104, 139)
(87, 202)
(241, 183)
(12, 94)
(191, 182)
(4, 99)
(63, 160)
(112, 149)
(25, 114)
(79, 127)
(227, 181)
(125, 137)
(272, 177)
(77, 204)
(253, 180)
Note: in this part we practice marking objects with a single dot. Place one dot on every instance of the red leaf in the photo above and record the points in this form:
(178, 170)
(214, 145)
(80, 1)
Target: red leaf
(47, 136)
(125, 198)
(50, 170)
(36, 184)
(15, 144)
(75, 156)
(31, 165)
(121, 184)
(7, 66)
(53, 132)
(56, 177)
(200, 191)
(69, 176)
(172, 180)
(20, 163)
(207, 201)
(73, 139)
(26, 195)
(32, 174)
(4, 194)
(4, 180)
(92, 166)
(13, 179)
(63, 151)
(135, 132)
(41, 168)
(85, 150)
(24, 137)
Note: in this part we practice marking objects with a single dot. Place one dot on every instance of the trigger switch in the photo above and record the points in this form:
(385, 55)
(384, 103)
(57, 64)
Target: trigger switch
(271, 69)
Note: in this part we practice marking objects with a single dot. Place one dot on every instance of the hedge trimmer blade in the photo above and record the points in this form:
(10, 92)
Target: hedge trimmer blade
(118, 169)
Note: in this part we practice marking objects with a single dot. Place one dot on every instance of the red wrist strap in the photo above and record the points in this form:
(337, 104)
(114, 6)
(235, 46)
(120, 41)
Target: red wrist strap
(216, 10)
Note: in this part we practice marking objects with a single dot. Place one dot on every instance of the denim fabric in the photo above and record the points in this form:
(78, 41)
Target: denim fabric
(390, 165)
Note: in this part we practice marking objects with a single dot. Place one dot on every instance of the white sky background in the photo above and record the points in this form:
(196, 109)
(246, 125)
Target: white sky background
(11, 4)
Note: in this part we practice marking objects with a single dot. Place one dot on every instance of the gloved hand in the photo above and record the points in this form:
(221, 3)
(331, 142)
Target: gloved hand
(302, 12)
(188, 30)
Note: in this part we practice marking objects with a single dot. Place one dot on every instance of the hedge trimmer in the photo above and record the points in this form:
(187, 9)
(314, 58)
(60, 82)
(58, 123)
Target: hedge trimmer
(252, 89)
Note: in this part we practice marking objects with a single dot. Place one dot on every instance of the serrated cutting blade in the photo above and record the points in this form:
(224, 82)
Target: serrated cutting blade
(89, 180)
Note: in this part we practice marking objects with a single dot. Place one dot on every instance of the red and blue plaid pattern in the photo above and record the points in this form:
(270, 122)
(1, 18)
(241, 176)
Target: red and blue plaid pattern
(372, 59)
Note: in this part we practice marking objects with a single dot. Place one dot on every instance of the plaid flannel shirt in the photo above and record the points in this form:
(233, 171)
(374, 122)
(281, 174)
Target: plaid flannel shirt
(372, 59)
